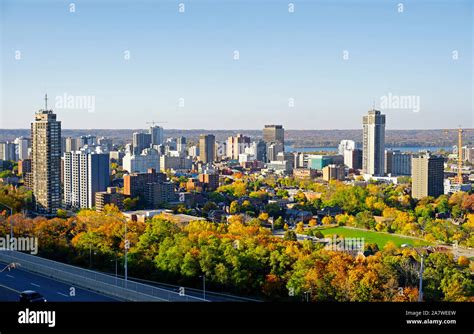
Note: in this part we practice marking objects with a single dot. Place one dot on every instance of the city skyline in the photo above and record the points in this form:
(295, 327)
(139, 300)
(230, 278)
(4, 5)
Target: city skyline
(314, 68)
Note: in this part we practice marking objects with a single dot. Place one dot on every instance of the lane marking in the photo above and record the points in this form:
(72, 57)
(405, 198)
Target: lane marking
(62, 294)
(10, 276)
(35, 284)
(6, 287)
(93, 292)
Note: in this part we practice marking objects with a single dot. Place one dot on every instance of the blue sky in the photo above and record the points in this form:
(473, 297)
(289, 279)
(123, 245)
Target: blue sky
(282, 55)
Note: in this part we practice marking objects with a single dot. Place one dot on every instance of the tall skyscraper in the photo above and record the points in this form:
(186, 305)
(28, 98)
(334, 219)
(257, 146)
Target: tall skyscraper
(346, 145)
(85, 174)
(8, 151)
(22, 148)
(156, 133)
(373, 157)
(181, 145)
(141, 141)
(274, 134)
(273, 150)
(71, 144)
(236, 145)
(353, 158)
(207, 148)
(46, 160)
(427, 174)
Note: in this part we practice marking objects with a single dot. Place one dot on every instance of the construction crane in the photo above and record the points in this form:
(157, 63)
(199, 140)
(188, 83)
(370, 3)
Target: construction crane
(153, 123)
(459, 179)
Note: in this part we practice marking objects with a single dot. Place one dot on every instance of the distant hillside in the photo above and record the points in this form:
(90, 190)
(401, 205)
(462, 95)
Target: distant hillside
(298, 138)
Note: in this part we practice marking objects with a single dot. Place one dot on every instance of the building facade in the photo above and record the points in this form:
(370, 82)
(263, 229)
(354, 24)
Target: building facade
(46, 161)
(237, 145)
(274, 134)
(156, 135)
(111, 196)
(333, 172)
(159, 193)
(140, 163)
(22, 148)
(427, 174)
(8, 151)
(141, 141)
(85, 174)
(211, 181)
(401, 163)
(373, 158)
(320, 161)
(207, 148)
(134, 183)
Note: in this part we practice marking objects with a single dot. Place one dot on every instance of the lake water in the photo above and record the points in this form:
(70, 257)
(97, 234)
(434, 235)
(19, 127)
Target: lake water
(401, 149)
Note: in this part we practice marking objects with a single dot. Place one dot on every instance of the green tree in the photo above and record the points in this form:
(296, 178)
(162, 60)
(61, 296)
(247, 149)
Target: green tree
(278, 223)
(235, 207)
(290, 236)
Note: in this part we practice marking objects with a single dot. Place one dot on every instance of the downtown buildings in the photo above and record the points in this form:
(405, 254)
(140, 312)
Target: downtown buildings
(236, 145)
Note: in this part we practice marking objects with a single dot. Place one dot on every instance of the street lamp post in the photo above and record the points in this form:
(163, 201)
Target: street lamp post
(422, 259)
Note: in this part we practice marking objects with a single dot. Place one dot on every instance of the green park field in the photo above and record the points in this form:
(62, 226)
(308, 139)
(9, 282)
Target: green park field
(371, 236)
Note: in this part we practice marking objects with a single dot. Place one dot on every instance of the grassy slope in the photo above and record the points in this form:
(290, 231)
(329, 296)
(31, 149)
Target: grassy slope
(371, 236)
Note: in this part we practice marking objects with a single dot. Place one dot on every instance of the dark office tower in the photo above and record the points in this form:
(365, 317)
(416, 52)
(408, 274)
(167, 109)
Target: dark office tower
(373, 158)
(181, 145)
(388, 161)
(141, 141)
(261, 151)
(207, 149)
(274, 134)
(156, 133)
(46, 160)
(427, 174)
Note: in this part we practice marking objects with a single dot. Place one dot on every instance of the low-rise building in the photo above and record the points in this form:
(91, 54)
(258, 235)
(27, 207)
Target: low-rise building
(159, 193)
(135, 183)
(111, 196)
(333, 172)
(210, 180)
(302, 173)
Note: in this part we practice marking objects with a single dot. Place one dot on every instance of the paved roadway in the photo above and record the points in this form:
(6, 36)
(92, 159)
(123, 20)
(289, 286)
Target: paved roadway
(16, 280)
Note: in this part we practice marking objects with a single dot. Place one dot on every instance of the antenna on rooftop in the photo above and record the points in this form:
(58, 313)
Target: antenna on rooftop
(46, 101)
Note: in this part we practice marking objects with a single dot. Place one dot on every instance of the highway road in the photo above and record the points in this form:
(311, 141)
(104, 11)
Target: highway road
(16, 280)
